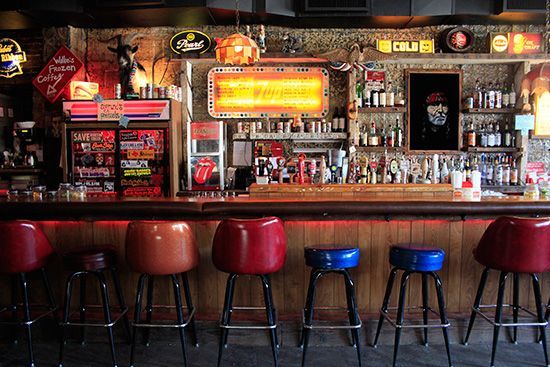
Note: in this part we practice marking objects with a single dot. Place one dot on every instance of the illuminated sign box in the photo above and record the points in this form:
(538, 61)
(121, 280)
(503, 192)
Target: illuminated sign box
(238, 92)
(405, 46)
(524, 43)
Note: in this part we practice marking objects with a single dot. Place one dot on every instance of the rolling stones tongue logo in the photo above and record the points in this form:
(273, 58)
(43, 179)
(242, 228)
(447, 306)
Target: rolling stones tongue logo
(203, 170)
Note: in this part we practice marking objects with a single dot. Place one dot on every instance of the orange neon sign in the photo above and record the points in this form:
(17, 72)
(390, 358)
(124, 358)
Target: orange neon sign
(268, 92)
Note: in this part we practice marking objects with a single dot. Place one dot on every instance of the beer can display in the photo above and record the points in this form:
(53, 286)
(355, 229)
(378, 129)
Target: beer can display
(143, 92)
(162, 92)
(155, 92)
(280, 127)
(240, 127)
(118, 91)
(149, 90)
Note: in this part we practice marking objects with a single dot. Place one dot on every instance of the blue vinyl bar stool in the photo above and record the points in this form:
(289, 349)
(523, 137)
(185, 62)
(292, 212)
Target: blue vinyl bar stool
(425, 261)
(324, 260)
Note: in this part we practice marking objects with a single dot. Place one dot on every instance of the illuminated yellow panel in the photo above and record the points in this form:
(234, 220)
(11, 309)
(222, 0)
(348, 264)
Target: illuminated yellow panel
(268, 92)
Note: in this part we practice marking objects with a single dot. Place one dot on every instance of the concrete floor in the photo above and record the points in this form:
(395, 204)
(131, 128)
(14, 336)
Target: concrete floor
(251, 348)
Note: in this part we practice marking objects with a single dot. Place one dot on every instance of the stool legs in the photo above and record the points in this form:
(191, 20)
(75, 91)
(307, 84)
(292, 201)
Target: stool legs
(540, 316)
(268, 298)
(385, 303)
(149, 308)
(226, 314)
(190, 307)
(425, 306)
(27, 317)
(179, 312)
(442, 314)
(400, 313)
(515, 307)
(14, 294)
(121, 303)
(477, 302)
(82, 308)
(107, 314)
(66, 310)
(498, 314)
(137, 315)
(353, 312)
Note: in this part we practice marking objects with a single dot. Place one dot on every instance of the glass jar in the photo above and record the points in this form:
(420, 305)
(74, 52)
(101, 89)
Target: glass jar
(38, 192)
(64, 192)
(531, 191)
(544, 187)
(13, 194)
(78, 193)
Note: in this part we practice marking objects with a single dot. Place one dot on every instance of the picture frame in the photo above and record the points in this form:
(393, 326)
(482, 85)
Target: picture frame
(434, 121)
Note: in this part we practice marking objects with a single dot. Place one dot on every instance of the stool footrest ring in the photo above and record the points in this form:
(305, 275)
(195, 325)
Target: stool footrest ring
(251, 327)
(119, 314)
(332, 326)
(189, 319)
(30, 322)
(412, 326)
(510, 324)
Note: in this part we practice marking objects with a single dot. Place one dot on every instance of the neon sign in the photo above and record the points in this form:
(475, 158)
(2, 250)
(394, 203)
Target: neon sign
(11, 57)
(268, 92)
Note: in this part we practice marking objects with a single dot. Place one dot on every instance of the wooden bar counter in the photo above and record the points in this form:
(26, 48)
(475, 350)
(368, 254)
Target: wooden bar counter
(371, 222)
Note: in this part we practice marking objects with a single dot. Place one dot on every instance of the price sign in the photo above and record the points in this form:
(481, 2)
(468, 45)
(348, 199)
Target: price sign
(110, 110)
(57, 73)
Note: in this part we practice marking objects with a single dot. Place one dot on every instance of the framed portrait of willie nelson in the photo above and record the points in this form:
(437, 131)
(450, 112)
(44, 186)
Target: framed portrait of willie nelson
(433, 110)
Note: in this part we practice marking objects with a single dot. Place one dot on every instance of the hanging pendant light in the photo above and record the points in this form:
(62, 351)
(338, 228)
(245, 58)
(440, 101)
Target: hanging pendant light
(237, 49)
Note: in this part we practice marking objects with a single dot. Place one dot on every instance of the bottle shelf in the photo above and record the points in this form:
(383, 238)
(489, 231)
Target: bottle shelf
(379, 149)
(490, 110)
(291, 136)
(491, 149)
(395, 109)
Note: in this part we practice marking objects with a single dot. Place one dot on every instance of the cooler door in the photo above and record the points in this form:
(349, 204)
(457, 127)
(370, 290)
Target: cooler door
(143, 163)
(92, 163)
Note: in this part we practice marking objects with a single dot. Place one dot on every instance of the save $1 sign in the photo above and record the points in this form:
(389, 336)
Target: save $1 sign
(57, 73)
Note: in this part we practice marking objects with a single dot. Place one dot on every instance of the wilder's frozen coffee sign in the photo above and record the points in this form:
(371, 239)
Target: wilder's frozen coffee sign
(190, 42)
(406, 46)
(11, 57)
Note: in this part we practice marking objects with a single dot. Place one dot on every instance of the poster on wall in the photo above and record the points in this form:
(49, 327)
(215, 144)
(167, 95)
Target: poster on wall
(237, 92)
(433, 109)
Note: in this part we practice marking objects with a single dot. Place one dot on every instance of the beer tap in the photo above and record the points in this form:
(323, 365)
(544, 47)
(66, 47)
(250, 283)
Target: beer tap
(312, 168)
(281, 167)
(301, 168)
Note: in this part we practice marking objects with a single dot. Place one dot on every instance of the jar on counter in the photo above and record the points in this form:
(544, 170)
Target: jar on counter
(531, 190)
(64, 191)
(544, 188)
(78, 193)
(38, 192)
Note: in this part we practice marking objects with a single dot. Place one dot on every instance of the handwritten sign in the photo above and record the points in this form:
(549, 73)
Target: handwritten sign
(110, 110)
(57, 73)
(268, 92)
(141, 154)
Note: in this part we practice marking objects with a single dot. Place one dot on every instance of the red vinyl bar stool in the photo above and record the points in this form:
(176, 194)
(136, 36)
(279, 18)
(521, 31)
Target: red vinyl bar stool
(249, 247)
(513, 245)
(95, 262)
(24, 248)
(155, 248)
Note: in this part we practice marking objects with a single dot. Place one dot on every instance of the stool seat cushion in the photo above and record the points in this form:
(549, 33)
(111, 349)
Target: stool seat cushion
(161, 247)
(89, 259)
(249, 246)
(331, 257)
(23, 247)
(417, 257)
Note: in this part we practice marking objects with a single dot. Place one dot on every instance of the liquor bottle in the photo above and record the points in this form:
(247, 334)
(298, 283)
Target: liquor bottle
(498, 172)
(382, 97)
(335, 120)
(467, 170)
(513, 173)
(507, 136)
(506, 172)
(471, 135)
(498, 96)
(444, 172)
(359, 93)
(478, 95)
(490, 171)
(390, 96)
(490, 136)
(491, 96)
(512, 98)
(375, 101)
(391, 137)
(505, 97)
(498, 135)
(367, 99)
(342, 120)
(485, 99)
(483, 137)
(364, 137)
(383, 140)
(483, 170)
(398, 142)
(373, 136)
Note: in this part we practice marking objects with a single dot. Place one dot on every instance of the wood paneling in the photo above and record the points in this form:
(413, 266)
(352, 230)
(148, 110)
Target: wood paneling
(460, 273)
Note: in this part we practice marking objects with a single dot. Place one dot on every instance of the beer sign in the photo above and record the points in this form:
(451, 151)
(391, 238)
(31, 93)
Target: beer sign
(11, 57)
(405, 46)
(190, 41)
(524, 43)
(498, 42)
